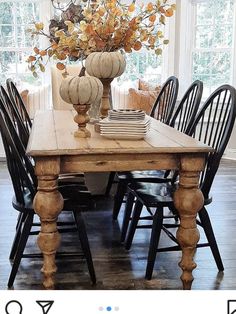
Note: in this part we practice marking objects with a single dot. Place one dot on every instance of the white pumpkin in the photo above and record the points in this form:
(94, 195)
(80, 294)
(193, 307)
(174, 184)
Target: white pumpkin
(81, 90)
(105, 64)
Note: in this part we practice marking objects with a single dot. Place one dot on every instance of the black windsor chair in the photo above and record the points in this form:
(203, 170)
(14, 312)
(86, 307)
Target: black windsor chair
(24, 183)
(162, 110)
(213, 125)
(23, 124)
(182, 119)
(18, 103)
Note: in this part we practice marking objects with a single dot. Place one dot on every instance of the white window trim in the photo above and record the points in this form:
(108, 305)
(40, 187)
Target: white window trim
(185, 22)
(169, 51)
(184, 29)
(44, 15)
(233, 73)
(183, 59)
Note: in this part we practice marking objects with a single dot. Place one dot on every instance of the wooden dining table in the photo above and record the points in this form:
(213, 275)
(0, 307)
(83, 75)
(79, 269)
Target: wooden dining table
(56, 151)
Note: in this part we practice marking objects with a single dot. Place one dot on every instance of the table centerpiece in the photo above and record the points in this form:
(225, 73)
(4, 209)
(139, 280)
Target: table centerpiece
(99, 33)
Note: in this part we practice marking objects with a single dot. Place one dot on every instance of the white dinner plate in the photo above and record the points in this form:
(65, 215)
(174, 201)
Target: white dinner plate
(138, 123)
(116, 136)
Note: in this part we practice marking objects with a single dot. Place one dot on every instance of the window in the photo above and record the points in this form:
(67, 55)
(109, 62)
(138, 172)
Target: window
(16, 17)
(143, 64)
(206, 38)
(213, 43)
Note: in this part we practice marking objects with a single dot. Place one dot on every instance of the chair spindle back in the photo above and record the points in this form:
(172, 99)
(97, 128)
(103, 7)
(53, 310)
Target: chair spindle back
(213, 126)
(186, 111)
(164, 105)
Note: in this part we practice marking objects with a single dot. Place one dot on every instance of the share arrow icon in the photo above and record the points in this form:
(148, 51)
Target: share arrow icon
(45, 305)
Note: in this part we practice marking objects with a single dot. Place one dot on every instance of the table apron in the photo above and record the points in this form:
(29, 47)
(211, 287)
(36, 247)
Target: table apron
(121, 162)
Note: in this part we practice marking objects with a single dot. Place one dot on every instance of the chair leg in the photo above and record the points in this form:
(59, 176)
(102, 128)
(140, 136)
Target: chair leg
(85, 244)
(20, 221)
(20, 249)
(21, 218)
(118, 199)
(110, 182)
(133, 224)
(127, 215)
(166, 174)
(174, 211)
(155, 236)
(206, 224)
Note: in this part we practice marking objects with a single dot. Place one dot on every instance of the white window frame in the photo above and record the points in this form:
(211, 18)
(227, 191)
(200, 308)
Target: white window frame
(170, 51)
(44, 16)
(185, 28)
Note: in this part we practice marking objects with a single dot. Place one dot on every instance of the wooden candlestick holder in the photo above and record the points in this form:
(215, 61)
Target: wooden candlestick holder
(82, 118)
(105, 102)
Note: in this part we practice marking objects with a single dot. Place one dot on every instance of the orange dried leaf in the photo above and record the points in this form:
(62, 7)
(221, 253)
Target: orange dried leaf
(162, 10)
(127, 47)
(31, 59)
(89, 29)
(74, 53)
(36, 50)
(61, 56)
(151, 40)
(169, 12)
(60, 66)
(54, 46)
(43, 53)
(101, 11)
(149, 6)
(131, 7)
(137, 45)
(152, 18)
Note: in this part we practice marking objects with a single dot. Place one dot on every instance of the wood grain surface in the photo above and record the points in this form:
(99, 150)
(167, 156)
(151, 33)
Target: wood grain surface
(52, 134)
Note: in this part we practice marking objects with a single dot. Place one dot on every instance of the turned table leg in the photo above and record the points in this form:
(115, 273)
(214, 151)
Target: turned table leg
(48, 204)
(188, 200)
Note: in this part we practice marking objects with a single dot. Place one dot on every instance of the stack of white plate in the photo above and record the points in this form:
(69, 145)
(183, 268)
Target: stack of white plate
(126, 114)
(125, 124)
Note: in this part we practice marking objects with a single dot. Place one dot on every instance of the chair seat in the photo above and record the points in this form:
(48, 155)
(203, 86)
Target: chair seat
(71, 178)
(143, 176)
(75, 197)
(151, 194)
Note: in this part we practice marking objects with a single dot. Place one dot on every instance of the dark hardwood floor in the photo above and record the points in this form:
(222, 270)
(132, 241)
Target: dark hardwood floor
(117, 268)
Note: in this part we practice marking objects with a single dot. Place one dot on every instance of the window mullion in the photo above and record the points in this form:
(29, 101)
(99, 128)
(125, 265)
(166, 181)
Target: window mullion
(213, 41)
(15, 39)
(233, 50)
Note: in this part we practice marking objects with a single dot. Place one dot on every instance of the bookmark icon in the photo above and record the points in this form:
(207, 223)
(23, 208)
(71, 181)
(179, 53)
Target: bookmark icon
(45, 305)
